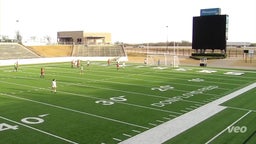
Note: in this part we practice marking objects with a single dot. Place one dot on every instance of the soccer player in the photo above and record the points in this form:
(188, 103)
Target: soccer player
(81, 69)
(88, 63)
(117, 65)
(73, 63)
(78, 62)
(123, 65)
(145, 61)
(54, 86)
(42, 72)
(108, 62)
(16, 66)
(158, 62)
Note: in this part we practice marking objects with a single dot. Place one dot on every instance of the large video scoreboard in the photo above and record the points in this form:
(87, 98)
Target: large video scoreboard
(210, 32)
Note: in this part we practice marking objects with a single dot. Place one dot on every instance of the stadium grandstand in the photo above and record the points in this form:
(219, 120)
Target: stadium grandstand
(98, 50)
(15, 51)
(70, 44)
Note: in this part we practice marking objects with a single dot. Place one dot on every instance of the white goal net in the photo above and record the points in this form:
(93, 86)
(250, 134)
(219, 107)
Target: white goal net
(162, 60)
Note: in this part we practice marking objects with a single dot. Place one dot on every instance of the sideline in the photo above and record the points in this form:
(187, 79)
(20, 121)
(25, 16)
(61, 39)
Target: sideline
(55, 60)
(182, 123)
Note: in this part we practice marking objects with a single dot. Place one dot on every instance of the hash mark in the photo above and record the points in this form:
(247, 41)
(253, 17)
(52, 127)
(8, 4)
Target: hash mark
(116, 139)
(152, 124)
(184, 111)
(166, 118)
(127, 135)
(189, 109)
(160, 121)
(193, 106)
(172, 115)
(136, 131)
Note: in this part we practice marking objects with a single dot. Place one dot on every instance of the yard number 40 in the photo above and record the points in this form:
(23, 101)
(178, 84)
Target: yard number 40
(27, 120)
(4, 126)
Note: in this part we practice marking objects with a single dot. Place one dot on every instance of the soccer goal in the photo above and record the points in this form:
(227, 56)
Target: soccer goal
(162, 60)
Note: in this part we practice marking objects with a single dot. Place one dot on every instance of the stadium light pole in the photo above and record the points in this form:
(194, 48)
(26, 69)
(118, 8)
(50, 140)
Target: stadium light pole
(17, 30)
(174, 53)
(166, 39)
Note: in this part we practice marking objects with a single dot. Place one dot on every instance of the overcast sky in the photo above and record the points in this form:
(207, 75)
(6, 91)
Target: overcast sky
(132, 21)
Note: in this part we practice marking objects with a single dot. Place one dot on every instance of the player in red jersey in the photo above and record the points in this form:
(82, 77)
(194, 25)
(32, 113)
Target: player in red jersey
(117, 65)
(42, 72)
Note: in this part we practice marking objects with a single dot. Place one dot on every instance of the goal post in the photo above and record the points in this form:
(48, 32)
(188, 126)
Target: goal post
(164, 59)
(176, 61)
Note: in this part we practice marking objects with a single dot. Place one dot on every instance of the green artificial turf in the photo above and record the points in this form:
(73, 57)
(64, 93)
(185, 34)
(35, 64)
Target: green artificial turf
(106, 105)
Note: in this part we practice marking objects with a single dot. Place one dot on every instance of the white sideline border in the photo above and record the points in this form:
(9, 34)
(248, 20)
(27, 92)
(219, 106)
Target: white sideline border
(174, 127)
(56, 59)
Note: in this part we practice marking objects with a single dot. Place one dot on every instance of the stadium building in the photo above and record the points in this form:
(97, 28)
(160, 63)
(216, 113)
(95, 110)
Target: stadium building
(81, 37)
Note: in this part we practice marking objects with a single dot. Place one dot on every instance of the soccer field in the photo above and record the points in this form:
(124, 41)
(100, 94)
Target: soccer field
(104, 105)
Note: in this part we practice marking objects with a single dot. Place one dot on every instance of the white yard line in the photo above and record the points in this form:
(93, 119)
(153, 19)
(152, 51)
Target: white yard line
(136, 131)
(182, 123)
(76, 111)
(93, 97)
(35, 129)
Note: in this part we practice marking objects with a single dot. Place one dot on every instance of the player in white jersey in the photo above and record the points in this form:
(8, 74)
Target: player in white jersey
(54, 86)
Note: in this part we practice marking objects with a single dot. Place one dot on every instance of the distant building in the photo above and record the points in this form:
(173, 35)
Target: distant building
(238, 44)
(81, 37)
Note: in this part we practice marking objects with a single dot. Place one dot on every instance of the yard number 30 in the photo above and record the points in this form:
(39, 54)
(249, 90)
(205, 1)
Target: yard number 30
(163, 88)
(112, 100)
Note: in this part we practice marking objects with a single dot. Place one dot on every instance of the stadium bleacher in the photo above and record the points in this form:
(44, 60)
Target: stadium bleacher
(11, 52)
(15, 51)
(98, 51)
